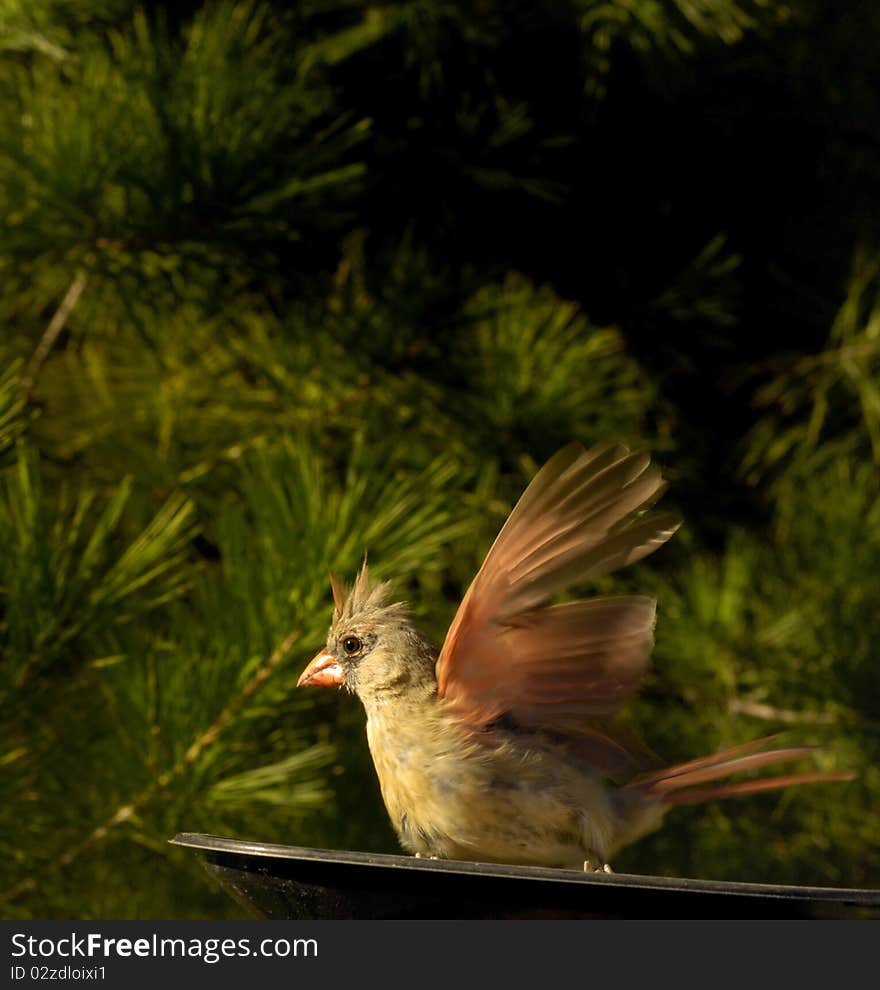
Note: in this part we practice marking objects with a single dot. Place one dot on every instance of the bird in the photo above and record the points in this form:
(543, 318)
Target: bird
(507, 744)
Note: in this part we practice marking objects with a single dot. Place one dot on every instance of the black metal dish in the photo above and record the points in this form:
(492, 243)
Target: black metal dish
(291, 882)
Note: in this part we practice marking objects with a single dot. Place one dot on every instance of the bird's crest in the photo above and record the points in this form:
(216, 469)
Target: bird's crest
(365, 595)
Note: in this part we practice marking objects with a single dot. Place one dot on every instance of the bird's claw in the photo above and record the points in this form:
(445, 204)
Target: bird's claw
(423, 856)
(590, 868)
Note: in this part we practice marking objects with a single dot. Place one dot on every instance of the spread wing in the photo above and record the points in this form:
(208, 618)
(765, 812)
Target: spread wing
(560, 667)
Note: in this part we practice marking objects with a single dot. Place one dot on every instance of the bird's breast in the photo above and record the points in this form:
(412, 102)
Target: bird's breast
(425, 774)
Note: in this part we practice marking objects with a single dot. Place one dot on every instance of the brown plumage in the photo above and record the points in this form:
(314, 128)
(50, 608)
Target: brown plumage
(504, 745)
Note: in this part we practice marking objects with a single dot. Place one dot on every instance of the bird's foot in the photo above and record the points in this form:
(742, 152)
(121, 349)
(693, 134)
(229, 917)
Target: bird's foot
(423, 856)
(590, 867)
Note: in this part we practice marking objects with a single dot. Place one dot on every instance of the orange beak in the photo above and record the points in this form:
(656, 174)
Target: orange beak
(322, 671)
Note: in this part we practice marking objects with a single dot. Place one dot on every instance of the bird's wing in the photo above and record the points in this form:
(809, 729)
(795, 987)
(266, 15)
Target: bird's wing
(508, 651)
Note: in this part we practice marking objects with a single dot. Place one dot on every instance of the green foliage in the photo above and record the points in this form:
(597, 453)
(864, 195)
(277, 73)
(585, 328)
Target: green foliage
(705, 291)
(671, 29)
(535, 370)
(148, 156)
(13, 409)
(62, 576)
(285, 286)
(676, 25)
(827, 405)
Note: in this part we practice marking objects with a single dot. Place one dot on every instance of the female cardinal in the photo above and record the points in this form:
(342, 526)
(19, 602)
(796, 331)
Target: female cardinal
(503, 746)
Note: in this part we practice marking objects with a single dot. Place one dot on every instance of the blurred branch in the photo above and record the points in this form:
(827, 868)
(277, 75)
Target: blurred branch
(756, 709)
(53, 330)
(259, 677)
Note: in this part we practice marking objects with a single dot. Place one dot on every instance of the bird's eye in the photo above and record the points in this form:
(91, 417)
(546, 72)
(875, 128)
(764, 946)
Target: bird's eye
(352, 645)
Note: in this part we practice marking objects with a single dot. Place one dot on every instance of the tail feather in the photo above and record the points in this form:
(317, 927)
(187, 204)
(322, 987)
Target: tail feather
(676, 785)
(726, 767)
(713, 759)
(699, 794)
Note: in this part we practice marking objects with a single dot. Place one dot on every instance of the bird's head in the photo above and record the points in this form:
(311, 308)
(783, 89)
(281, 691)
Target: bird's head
(371, 646)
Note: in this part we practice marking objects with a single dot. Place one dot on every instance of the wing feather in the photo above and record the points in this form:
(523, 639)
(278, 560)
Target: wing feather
(510, 652)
